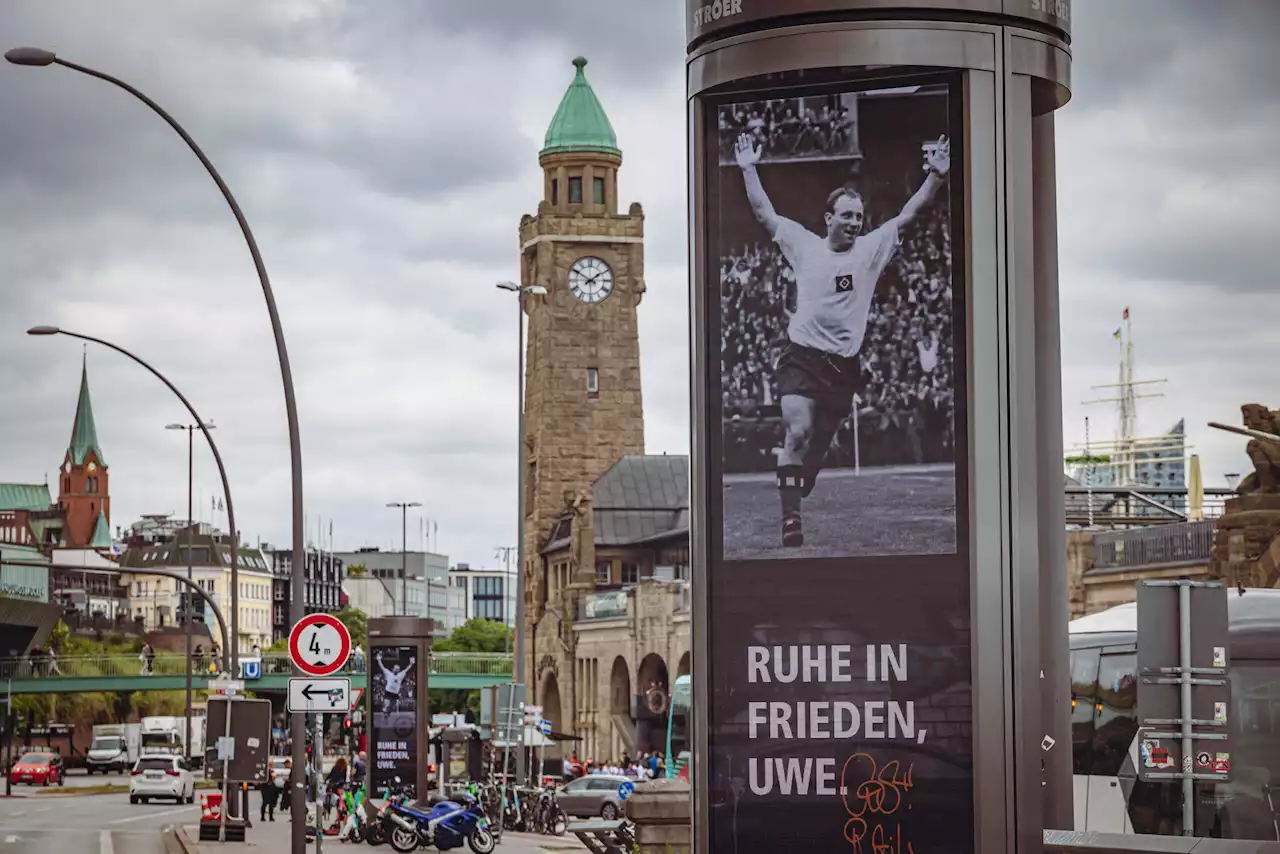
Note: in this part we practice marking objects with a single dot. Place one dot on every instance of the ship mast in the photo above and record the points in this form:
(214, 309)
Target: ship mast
(1126, 448)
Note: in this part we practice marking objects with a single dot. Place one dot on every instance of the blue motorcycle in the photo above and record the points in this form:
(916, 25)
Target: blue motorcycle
(447, 825)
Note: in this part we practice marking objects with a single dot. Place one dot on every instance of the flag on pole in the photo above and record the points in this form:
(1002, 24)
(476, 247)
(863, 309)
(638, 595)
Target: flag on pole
(1117, 335)
(1126, 312)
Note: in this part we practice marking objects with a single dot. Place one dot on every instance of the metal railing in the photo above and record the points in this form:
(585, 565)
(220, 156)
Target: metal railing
(1176, 543)
(125, 665)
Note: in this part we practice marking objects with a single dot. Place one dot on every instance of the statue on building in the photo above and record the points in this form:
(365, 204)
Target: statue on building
(1246, 550)
(582, 550)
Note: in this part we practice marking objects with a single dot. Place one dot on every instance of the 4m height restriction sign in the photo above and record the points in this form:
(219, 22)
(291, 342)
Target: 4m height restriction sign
(319, 644)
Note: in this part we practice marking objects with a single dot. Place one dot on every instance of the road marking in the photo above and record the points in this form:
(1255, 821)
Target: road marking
(10, 839)
(18, 813)
(148, 815)
(107, 847)
(44, 809)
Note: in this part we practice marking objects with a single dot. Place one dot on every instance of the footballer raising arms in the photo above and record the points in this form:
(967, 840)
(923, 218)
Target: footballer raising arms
(818, 372)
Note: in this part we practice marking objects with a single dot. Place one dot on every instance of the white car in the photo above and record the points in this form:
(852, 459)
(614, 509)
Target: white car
(167, 777)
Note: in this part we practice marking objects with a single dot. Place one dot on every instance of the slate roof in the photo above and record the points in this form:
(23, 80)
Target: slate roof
(84, 432)
(643, 498)
(580, 122)
(24, 496)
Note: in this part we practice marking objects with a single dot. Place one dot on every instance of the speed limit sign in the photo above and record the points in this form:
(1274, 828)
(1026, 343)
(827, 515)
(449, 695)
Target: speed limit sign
(319, 644)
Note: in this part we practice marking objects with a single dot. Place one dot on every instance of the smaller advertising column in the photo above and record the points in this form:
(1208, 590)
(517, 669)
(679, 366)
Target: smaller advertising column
(399, 653)
(393, 690)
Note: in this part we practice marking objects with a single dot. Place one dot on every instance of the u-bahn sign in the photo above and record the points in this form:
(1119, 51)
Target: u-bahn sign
(319, 644)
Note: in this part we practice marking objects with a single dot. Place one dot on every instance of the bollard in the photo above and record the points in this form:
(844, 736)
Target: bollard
(662, 811)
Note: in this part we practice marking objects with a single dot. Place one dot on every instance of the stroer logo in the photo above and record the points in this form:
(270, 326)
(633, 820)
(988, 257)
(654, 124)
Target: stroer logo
(709, 12)
(844, 284)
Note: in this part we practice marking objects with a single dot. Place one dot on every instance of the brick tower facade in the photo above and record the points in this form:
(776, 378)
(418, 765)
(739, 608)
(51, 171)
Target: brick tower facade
(582, 396)
(83, 481)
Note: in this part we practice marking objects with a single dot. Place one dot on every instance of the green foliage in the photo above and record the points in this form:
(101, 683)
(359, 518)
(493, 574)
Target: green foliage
(144, 704)
(357, 623)
(475, 635)
(1081, 459)
(357, 570)
(478, 635)
(96, 707)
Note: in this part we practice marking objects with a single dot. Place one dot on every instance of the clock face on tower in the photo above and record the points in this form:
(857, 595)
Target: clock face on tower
(67, 467)
(590, 279)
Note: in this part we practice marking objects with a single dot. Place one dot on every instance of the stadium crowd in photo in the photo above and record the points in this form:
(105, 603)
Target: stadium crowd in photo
(792, 128)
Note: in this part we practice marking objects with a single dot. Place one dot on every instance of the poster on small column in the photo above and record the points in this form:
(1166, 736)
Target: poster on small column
(393, 691)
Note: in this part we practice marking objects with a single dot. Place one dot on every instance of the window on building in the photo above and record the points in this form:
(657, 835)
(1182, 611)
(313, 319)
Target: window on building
(66, 484)
(575, 190)
(593, 382)
(555, 192)
(604, 571)
(597, 190)
(630, 573)
(531, 487)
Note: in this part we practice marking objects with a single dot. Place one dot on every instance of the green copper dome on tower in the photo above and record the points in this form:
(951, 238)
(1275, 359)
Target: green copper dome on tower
(580, 124)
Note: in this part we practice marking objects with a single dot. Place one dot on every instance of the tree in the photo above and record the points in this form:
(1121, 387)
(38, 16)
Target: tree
(478, 635)
(357, 623)
(357, 570)
(475, 635)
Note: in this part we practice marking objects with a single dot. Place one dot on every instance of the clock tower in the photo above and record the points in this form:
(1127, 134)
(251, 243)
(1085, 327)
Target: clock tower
(583, 408)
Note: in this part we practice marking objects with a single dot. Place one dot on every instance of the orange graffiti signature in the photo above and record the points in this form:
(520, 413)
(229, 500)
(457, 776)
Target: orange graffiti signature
(879, 794)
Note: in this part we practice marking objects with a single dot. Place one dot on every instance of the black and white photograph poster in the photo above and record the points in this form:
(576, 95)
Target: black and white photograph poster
(393, 690)
(838, 307)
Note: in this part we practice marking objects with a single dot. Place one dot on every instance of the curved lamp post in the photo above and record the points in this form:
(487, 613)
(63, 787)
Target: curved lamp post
(517, 672)
(191, 460)
(38, 57)
(230, 640)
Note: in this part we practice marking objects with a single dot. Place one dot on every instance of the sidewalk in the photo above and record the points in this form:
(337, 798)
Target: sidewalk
(275, 836)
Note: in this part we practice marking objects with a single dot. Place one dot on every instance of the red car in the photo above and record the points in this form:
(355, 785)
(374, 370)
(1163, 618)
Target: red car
(38, 769)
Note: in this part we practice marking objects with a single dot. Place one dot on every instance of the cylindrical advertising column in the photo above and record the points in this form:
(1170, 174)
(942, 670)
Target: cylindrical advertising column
(873, 515)
(398, 717)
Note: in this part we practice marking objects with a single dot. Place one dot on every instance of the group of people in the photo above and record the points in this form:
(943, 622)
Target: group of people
(906, 356)
(645, 766)
(790, 127)
(343, 776)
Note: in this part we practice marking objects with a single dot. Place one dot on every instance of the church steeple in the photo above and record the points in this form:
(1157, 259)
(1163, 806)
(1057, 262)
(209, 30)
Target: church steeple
(84, 432)
(84, 492)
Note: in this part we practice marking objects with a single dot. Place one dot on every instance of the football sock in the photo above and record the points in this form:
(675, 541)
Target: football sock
(791, 485)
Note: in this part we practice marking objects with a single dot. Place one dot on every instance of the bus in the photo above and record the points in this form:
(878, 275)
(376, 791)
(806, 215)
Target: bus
(679, 729)
(1107, 795)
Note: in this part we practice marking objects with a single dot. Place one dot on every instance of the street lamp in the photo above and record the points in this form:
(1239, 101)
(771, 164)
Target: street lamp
(229, 656)
(404, 557)
(191, 457)
(517, 672)
(31, 56)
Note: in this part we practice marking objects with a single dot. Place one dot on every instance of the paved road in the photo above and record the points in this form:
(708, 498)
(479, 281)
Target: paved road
(89, 824)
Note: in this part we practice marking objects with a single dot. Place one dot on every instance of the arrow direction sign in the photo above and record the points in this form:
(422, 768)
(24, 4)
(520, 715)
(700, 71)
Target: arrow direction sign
(308, 694)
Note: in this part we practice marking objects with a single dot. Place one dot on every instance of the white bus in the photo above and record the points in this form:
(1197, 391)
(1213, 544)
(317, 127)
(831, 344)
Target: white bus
(1104, 724)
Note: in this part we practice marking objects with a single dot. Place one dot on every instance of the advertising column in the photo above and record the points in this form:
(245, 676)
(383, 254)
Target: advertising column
(398, 663)
(854, 670)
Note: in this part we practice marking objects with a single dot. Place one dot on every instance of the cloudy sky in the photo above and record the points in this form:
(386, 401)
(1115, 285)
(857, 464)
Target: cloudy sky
(384, 153)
